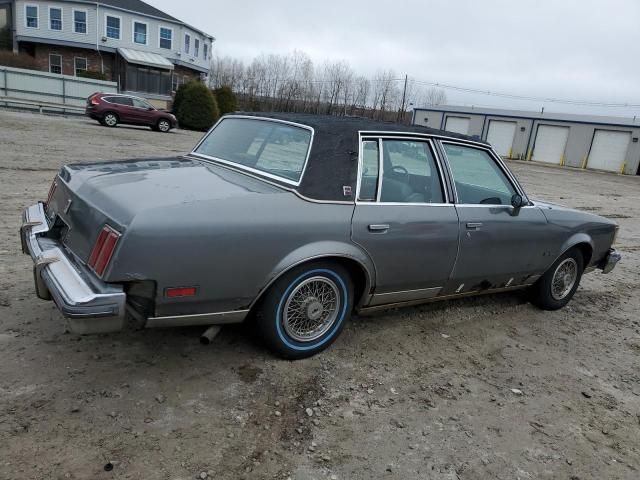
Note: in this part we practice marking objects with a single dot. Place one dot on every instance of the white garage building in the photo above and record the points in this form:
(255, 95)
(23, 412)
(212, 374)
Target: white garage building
(600, 143)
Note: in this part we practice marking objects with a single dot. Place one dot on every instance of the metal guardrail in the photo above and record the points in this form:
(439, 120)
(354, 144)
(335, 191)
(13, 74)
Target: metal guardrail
(42, 107)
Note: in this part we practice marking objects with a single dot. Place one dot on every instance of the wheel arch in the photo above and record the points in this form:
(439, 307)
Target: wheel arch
(113, 112)
(357, 263)
(581, 241)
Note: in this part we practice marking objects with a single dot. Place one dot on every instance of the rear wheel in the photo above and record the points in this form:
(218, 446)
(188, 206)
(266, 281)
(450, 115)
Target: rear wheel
(110, 119)
(557, 286)
(163, 125)
(304, 311)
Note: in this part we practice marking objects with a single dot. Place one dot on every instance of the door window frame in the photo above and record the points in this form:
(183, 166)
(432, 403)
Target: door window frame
(379, 137)
(500, 163)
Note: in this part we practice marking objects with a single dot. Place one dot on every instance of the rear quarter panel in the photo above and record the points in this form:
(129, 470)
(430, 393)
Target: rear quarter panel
(230, 249)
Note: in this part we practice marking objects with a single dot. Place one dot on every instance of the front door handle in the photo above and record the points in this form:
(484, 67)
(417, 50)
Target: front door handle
(381, 227)
(474, 225)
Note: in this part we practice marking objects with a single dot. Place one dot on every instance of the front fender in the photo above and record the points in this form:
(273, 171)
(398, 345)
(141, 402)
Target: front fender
(319, 250)
(572, 241)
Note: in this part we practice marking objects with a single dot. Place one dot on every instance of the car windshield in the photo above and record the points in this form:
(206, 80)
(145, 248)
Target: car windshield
(275, 148)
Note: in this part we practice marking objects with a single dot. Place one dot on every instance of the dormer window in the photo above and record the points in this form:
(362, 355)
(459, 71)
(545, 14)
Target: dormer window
(187, 43)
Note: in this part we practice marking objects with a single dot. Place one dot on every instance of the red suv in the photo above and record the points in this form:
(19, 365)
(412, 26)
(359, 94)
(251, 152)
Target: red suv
(110, 109)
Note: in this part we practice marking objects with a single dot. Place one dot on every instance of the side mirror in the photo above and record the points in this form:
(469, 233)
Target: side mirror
(517, 201)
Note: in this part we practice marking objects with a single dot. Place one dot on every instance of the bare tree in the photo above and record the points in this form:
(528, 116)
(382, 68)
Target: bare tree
(433, 96)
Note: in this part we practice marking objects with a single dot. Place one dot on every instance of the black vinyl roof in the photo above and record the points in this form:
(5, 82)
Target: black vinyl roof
(333, 160)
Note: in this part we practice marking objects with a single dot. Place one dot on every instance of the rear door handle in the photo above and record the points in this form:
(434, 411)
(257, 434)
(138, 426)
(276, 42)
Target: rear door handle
(381, 227)
(474, 225)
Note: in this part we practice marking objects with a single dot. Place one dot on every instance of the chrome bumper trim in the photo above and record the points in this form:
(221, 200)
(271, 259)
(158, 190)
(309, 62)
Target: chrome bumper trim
(215, 318)
(96, 308)
(610, 261)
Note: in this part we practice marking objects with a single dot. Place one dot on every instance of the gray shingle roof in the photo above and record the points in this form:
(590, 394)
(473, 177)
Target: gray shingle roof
(140, 7)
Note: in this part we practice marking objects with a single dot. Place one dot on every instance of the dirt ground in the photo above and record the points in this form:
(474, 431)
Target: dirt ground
(415, 393)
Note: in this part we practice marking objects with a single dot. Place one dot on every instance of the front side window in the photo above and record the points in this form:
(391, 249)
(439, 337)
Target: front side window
(139, 103)
(55, 18)
(187, 43)
(274, 148)
(31, 16)
(113, 27)
(477, 176)
(196, 47)
(80, 21)
(140, 33)
(80, 65)
(55, 63)
(166, 35)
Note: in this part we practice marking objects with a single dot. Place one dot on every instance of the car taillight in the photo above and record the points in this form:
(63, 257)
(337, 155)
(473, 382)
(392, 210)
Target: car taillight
(94, 101)
(103, 249)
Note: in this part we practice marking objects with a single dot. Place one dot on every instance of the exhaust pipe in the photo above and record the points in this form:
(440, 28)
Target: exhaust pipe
(209, 334)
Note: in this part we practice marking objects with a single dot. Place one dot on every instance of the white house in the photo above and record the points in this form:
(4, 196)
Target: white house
(148, 52)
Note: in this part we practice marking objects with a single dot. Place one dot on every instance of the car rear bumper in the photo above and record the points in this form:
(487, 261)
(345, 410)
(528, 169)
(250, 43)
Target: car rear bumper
(610, 261)
(90, 305)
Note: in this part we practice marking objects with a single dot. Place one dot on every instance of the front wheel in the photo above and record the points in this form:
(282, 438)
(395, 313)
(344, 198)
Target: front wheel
(557, 286)
(304, 311)
(163, 125)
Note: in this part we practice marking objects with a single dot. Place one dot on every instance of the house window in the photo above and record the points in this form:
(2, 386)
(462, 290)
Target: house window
(55, 63)
(166, 35)
(113, 27)
(55, 18)
(187, 43)
(196, 47)
(140, 33)
(80, 21)
(147, 79)
(205, 50)
(79, 65)
(31, 16)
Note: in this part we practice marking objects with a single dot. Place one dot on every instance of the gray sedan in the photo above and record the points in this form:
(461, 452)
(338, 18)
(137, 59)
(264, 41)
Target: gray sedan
(297, 221)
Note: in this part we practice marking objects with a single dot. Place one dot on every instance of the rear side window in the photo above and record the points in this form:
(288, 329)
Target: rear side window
(275, 148)
(369, 173)
(477, 176)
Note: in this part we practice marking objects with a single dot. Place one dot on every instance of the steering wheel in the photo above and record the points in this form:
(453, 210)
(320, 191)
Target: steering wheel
(403, 171)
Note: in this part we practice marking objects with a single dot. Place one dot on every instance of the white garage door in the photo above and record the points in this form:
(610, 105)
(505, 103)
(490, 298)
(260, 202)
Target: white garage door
(550, 143)
(608, 150)
(500, 136)
(457, 125)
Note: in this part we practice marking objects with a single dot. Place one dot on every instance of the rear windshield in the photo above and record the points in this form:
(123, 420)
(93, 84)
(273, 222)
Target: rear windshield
(270, 147)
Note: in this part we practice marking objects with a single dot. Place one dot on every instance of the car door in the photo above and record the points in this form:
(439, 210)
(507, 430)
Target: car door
(500, 246)
(124, 109)
(403, 218)
(143, 112)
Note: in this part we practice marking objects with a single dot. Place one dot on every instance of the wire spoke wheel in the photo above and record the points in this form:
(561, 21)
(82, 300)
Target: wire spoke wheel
(564, 278)
(311, 309)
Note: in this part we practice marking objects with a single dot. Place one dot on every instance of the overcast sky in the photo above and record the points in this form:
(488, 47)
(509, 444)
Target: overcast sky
(570, 49)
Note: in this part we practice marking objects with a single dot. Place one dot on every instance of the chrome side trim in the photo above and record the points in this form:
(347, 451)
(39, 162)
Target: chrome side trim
(376, 308)
(215, 318)
(403, 296)
(254, 170)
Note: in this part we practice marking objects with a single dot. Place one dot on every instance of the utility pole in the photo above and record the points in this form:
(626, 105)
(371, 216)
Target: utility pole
(404, 95)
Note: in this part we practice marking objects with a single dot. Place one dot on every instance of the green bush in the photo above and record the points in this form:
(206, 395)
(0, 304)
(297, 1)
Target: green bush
(197, 108)
(227, 101)
(92, 74)
(21, 60)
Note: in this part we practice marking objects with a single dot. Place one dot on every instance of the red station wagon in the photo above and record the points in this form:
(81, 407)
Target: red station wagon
(110, 109)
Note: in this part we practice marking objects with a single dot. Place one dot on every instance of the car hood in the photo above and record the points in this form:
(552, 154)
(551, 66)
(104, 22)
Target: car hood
(554, 212)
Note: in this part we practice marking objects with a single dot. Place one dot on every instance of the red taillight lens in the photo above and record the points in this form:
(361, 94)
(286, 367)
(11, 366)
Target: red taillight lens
(94, 101)
(180, 292)
(103, 249)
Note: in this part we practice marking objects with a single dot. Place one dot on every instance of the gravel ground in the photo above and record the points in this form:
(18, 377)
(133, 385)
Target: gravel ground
(488, 387)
